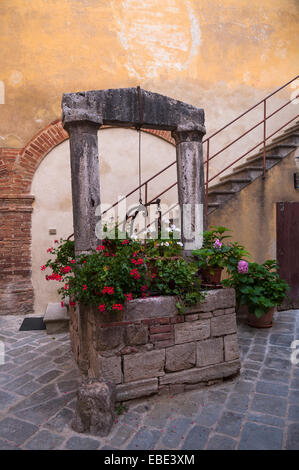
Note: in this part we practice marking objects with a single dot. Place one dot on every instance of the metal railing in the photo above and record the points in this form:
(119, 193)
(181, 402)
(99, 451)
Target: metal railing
(207, 142)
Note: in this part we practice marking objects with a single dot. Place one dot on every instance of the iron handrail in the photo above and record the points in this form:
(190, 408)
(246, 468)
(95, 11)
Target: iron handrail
(207, 141)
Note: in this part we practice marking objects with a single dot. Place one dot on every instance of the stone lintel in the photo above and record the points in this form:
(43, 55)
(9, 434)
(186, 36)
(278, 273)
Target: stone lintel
(121, 107)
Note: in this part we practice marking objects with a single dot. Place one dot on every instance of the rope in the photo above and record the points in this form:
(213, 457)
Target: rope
(139, 165)
(138, 128)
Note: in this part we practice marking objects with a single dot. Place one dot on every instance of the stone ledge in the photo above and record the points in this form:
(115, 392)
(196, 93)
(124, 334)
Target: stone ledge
(56, 319)
(140, 388)
(204, 374)
(151, 307)
(217, 299)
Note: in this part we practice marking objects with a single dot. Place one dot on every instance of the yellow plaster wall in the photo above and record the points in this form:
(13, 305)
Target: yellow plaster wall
(251, 215)
(220, 55)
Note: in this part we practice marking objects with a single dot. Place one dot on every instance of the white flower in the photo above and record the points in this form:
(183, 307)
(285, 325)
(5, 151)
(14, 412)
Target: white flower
(166, 244)
(173, 227)
(179, 243)
(177, 230)
(161, 244)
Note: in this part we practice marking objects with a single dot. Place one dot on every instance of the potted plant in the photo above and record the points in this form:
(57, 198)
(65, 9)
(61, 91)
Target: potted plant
(216, 254)
(260, 288)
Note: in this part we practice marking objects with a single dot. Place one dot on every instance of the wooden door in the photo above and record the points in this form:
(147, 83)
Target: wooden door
(287, 226)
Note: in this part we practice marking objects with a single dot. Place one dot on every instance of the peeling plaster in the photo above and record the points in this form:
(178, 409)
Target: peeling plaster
(165, 44)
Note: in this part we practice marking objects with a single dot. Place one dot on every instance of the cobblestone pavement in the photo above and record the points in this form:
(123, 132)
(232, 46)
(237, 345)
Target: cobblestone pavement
(258, 410)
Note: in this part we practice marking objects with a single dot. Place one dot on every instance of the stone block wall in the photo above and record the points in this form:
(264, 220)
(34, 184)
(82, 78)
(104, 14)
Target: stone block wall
(150, 348)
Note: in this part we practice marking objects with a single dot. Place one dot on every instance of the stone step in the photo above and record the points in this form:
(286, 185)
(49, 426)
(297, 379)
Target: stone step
(217, 195)
(212, 206)
(242, 175)
(249, 171)
(277, 149)
(290, 138)
(232, 183)
(270, 161)
(292, 128)
(56, 318)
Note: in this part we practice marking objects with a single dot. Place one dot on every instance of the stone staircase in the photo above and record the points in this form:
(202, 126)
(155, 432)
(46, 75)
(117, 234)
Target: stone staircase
(242, 175)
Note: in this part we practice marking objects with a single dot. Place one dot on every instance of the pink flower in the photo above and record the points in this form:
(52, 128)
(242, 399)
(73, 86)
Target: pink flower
(55, 241)
(49, 250)
(217, 243)
(102, 307)
(242, 267)
(43, 268)
(73, 261)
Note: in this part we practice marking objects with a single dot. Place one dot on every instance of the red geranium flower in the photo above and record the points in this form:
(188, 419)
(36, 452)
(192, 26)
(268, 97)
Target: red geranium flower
(108, 290)
(43, 268)
(117, 306)
(128, 296)
(62, 304)
(134, 273)
(84, 287)
(100, 247)
(125, 242)
(102, 307)
(72, 304)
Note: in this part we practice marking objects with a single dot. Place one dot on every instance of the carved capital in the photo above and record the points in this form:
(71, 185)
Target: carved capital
(187, 136)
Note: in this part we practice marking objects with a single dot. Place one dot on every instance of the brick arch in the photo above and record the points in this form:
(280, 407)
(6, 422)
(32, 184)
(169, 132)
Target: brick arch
(42, 143)
(17, 168)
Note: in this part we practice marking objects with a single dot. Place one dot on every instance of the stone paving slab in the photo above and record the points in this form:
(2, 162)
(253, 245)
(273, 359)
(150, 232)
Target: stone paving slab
(258, 410)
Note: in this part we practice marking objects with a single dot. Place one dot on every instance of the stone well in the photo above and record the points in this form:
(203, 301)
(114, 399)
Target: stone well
(150, 347)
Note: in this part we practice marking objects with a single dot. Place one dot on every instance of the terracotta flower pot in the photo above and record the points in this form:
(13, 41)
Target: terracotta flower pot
(265, 321)
(212, 275)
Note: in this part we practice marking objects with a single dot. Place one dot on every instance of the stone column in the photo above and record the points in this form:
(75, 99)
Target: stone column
(191, 189)
(85, 182)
